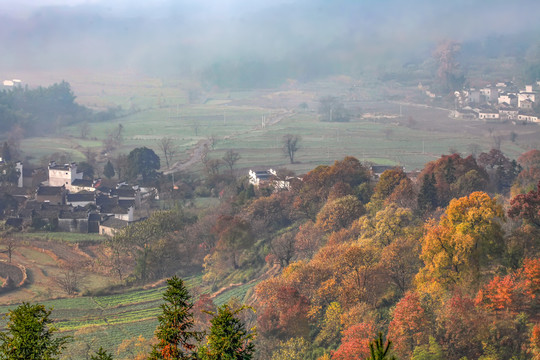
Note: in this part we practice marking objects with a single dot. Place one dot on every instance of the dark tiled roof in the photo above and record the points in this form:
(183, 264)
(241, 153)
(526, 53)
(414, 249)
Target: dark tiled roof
(124, 192)
(50, 190)
(126, 204)
(56, 207)
(80, 197)
(113, 209)
(73, 215)
(106, 200)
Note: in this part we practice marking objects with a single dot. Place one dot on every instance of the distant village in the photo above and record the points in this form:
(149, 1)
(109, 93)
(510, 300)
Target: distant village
(60, 199)
(496, 102)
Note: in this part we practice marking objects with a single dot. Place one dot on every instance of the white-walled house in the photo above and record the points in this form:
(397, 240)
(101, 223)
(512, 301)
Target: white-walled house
(63, 175)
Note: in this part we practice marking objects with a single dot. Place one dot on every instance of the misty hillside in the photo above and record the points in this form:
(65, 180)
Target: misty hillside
(264, 42)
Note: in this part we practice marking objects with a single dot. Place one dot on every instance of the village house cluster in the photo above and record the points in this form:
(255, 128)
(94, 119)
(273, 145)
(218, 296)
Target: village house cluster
(60, 198)
(499, 102)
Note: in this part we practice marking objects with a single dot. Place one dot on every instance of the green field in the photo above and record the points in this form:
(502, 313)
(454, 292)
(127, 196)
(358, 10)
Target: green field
(234, 119)
(110, 319)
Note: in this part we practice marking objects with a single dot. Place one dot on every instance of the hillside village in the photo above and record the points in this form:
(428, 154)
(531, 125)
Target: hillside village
(60, 199)
(497, 102)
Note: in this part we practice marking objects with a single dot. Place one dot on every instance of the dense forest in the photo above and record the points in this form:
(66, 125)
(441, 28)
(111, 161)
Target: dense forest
(43, 110)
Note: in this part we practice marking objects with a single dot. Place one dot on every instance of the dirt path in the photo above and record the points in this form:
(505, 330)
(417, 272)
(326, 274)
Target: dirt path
(195, 157)
(197, 152)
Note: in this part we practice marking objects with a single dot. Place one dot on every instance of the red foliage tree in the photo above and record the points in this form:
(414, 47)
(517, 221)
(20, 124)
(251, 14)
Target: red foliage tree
(355, 342)
(410, 325)
(526, 207)
(283, 311)
(461, 325)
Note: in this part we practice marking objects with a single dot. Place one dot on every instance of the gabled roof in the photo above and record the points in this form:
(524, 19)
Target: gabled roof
(126, 204)
(106, 200)
(73, 215)
(80, 197)
(113, 209)
(50, 190)
(114, 223)
(123, 191)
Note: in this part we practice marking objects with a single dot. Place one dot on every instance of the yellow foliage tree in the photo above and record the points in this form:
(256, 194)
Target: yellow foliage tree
(456, 249)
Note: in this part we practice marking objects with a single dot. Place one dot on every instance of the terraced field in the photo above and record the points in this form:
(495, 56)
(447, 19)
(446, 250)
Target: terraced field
(109, 320)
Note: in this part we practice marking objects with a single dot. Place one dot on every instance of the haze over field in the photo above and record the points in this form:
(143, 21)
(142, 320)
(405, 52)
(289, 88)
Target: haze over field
(297, 39)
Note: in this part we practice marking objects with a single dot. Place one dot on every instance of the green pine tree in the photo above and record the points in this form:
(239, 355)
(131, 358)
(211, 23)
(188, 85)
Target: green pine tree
(228, 338)
(28, 335)
(176, 340)
(101, 355)
(108, 170)
(379, 351)
(427, 196)
(6, 152)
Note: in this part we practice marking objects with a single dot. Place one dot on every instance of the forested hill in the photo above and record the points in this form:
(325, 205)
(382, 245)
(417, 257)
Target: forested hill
(42, 110)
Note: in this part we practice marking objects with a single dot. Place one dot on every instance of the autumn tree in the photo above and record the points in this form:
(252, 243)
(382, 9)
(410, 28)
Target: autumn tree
(530, 173)
(465, 241)
(202, 309)
(446, 173)
(29, 334)
(282, 311)
(388, 224)
(176, 339)
(410, 325)
(308, 240)
(234, 235)
(228, 337)
(283, 248)
(526, 207)
(339, 213)
(291, 146)
(315, 187)
(501, 170)
(293, 349)
(355, 342)
(388, 181)
(400, 262)
(461, 325)
(331, 327)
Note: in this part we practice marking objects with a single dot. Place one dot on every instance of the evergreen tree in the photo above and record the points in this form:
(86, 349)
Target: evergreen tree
(29, 336)
(176, 340)
(427, 196)
(379, 351)
(6, 152)
(228, 339)
(101, 355)
(108, 170)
